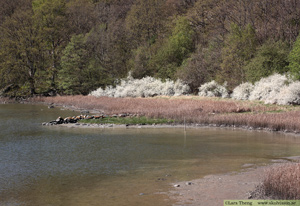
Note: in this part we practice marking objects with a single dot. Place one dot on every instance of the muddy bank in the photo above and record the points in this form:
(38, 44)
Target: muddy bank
(212, 190)
(76, 124)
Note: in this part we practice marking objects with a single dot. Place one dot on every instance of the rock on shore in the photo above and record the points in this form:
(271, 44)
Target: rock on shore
(75, 119)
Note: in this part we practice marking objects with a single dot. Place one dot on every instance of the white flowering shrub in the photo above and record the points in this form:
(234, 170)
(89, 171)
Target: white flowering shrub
(145, 87)
(243, 91)
(275, 89)
(213, 89)
(289, 94)
(267, 89)
(108, 92)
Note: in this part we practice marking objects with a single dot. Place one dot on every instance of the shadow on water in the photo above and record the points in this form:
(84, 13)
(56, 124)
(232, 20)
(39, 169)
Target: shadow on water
(71, 166)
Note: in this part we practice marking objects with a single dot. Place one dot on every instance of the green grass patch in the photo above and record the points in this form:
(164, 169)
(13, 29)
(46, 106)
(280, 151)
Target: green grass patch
(275, 111)
(127, 120)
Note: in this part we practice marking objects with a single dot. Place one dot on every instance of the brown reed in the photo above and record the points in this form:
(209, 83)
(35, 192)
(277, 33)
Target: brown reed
(283, 182)
(6, 100)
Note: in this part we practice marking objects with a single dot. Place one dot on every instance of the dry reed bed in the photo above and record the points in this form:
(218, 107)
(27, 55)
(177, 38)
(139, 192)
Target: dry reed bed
(6, 100)
(283, 182)
(201, 111)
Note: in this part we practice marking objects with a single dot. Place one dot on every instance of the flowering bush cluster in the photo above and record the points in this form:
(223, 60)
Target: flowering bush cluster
(213, 89)
(275, 89)
(145, 87)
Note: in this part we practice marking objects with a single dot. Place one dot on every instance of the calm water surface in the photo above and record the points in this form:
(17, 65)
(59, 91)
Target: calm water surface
(45, 166)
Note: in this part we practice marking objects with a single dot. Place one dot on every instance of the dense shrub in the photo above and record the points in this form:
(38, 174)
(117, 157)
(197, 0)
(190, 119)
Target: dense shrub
(243, 91)
(145, 87)
(213, 89)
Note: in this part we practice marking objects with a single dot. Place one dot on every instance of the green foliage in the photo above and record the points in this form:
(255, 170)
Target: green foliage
(50, 18)
(271, 57)
(294, 60)
(239, 48)
(21, 52)
(74, 46)
(79, 74)
(175, 50)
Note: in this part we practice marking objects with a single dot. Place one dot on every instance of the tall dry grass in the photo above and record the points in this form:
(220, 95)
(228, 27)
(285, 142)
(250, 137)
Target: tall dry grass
(283, 182)
(201, 111)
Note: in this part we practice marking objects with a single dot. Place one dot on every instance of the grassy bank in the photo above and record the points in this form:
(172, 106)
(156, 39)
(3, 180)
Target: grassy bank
(196, 110)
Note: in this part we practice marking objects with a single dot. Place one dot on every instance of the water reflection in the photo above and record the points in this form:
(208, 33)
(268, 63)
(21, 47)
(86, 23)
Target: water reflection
(184, 139)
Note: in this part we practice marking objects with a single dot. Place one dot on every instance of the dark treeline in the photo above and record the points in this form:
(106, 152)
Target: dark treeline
(74, 46)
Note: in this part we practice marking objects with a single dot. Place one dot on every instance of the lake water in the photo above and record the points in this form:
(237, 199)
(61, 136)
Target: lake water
(59, 166)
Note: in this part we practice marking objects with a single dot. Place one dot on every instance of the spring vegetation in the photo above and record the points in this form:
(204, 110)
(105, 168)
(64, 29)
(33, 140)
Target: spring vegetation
(71, 47)
(233, 49)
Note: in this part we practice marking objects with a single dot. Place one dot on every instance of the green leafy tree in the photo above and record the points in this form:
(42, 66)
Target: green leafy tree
(22, 54)
(50, 18)
(240, 46)
(271, 57)
(175, 50)
(294, 59)
(79, 73)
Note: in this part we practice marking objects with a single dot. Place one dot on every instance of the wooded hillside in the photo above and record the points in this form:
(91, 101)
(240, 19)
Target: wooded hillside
(76, 46)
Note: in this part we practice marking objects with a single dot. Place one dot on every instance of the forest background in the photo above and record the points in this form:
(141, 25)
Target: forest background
(65, 47)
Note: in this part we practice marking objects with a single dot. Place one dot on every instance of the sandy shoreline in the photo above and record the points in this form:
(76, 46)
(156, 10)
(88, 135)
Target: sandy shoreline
(212, 190)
